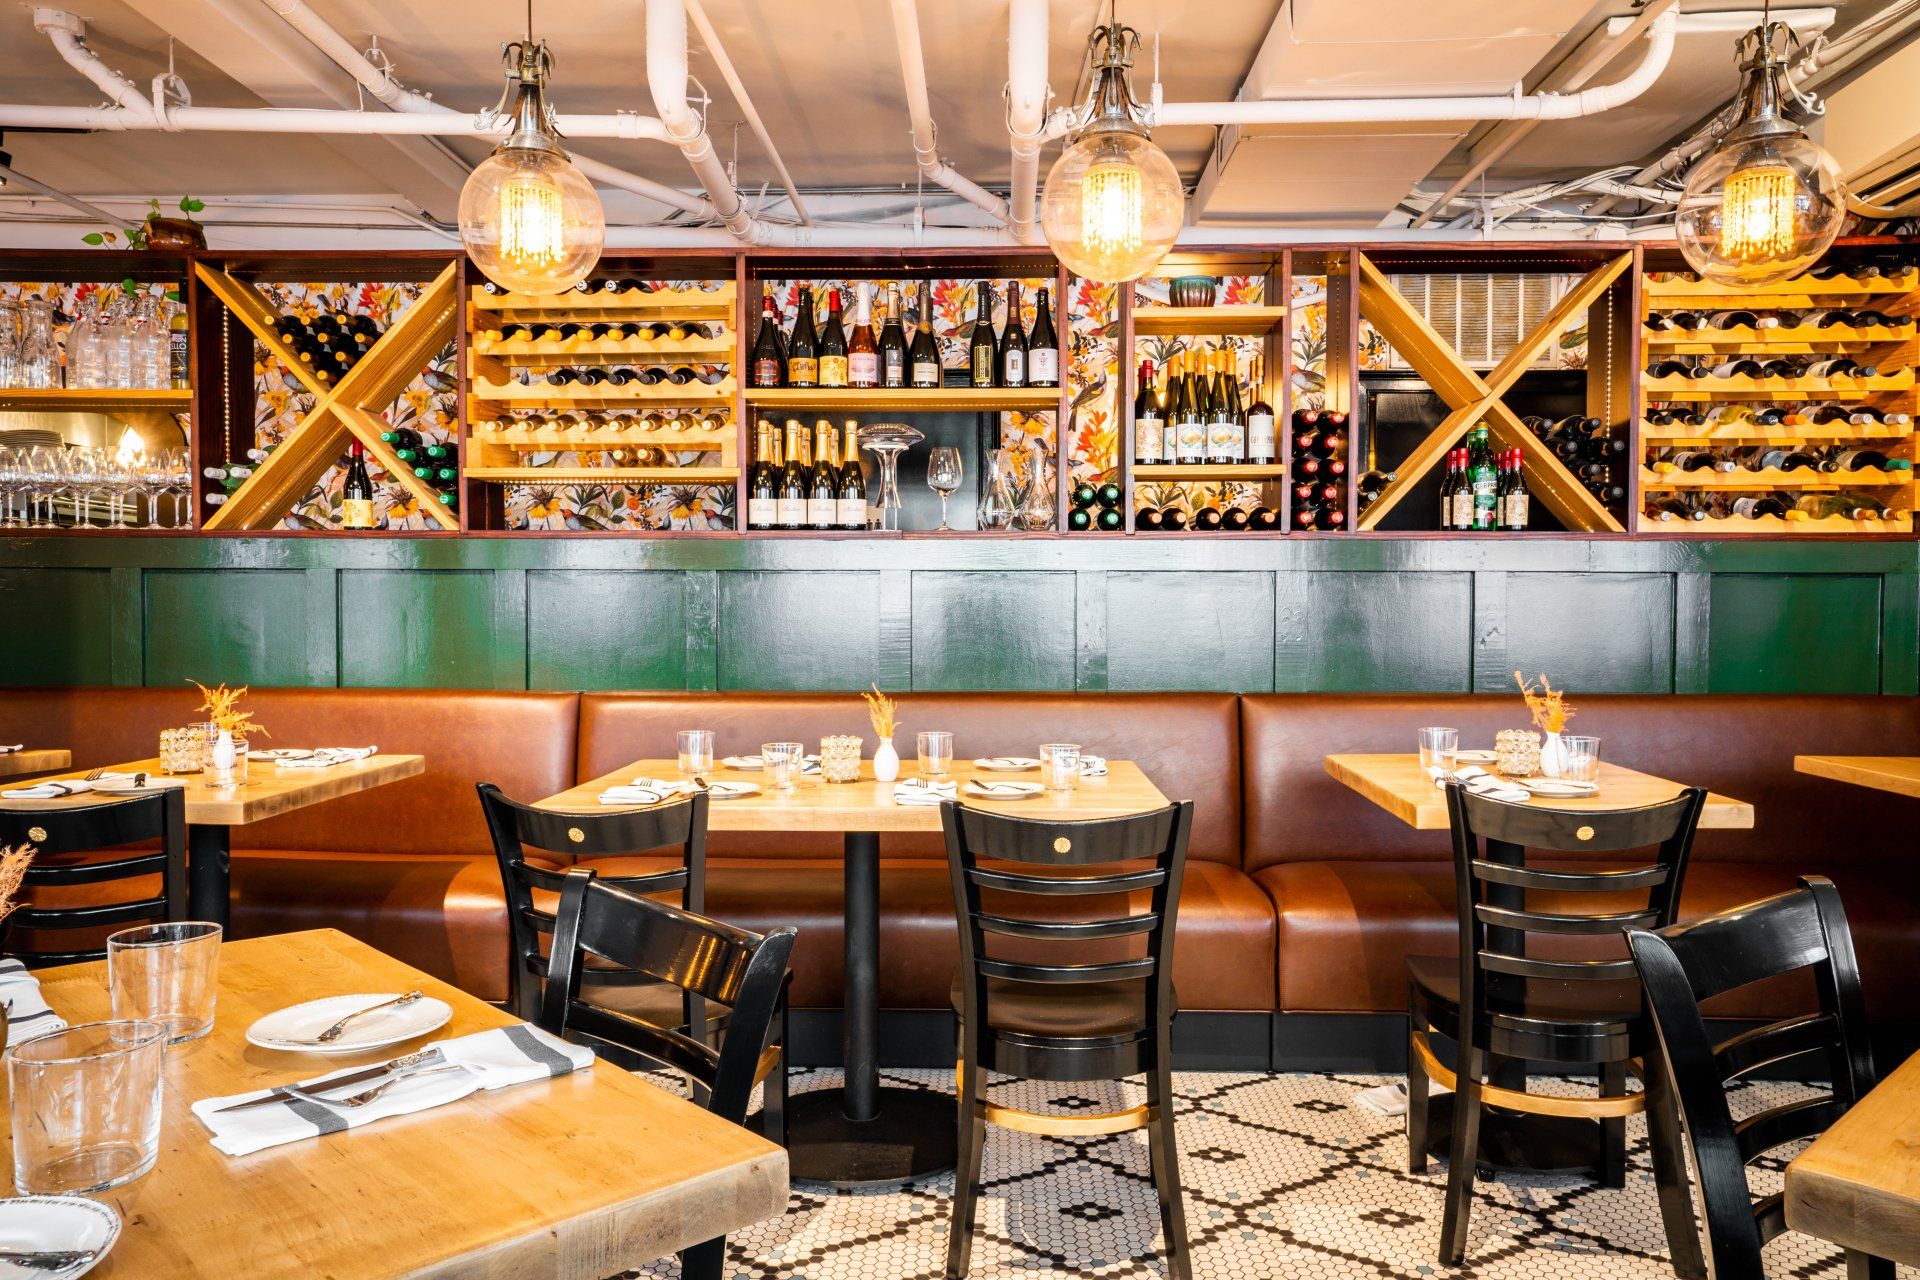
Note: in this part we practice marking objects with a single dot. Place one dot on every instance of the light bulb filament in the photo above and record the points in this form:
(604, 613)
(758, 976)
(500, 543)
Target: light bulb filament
(532, 221)
(1111, 207)
(1757, 213)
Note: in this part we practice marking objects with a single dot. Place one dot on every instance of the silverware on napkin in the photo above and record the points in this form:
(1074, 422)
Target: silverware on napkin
(398, 1068)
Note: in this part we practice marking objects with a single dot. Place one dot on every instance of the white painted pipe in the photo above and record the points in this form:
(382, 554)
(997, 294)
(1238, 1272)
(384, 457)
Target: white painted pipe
(667, 78)
(926, 152)
(1026, 113)
(744, 100)
(69, 36)
(300, 120)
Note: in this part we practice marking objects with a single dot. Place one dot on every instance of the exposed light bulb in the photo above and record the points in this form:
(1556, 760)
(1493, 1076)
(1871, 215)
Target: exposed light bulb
(532, 225)
(1757, 213)
(1111, 208)
(130, 446)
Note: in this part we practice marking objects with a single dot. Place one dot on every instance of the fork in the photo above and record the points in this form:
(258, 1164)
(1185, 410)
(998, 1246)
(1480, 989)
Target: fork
(339, 1028)
(95, 775)
(366, 1096)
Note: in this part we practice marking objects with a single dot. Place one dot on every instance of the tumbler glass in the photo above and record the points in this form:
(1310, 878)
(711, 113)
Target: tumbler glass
(85, 1106)
(936, 755)
(166, 973)
(696, 751)
(780, 761)
(1060, 765)
(1438, 748)
(1582, 756)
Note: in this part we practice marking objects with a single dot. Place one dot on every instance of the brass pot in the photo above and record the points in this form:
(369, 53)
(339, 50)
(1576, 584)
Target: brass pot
(171, 235)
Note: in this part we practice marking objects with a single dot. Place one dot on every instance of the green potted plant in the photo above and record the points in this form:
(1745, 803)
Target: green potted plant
(159, 231)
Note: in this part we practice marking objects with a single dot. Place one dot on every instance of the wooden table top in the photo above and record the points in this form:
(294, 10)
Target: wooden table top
(576, 1178)
(269, 789)
(14, 764)
(867, 805)
(1898, 774)
(1399, 785)
(1858, 1184)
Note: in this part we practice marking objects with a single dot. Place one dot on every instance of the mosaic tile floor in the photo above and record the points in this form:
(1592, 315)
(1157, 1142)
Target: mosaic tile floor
(1286, 1179)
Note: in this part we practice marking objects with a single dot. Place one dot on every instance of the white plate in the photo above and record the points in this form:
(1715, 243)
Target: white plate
(292, 1027)
(1006, 764)
(154, 782)
(1475, 757)
(1556, 786)
(1003, 790)
(55, 1224)
(724, 790)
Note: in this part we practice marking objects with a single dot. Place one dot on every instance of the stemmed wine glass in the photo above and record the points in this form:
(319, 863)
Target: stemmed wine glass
(943, 476)
(13, 480)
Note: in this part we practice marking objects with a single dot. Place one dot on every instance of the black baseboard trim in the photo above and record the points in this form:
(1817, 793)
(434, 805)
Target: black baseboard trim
(1370, 1043)
(1202, 1040)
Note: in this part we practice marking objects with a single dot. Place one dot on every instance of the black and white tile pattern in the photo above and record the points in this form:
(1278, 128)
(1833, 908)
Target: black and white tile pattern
(1286, 1179)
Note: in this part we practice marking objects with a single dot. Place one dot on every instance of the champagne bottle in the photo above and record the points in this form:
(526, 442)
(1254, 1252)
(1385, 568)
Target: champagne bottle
(766, 347)
(850, 499)
(1149, 423)
(803, 348)
(924, 355)
(823, 484)
(1011, 359)
(356, 490)
(981, 348)
(863, 348)
(763, 485)
(893, 346)
(1043, 346)
(791, 512)
(835, 361)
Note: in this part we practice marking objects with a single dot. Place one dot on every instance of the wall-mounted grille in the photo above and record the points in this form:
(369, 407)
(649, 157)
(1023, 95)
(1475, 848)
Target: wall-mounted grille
(1484, 316)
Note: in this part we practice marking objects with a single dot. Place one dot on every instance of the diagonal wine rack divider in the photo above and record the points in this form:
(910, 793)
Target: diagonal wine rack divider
(1474, 398)
(351, 407)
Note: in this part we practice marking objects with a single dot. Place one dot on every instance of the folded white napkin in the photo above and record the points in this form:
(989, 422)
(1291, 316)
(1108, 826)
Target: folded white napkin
(27, 1011)
(808, 764)
(9, 750)
(1093, 766)
(324, 757)
(484, 1060)
(1482, 783)
(644, 791)
(920, 791)
(64, 787)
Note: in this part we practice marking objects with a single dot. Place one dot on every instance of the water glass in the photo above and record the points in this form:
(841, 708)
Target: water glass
(166, 973)
(1582, 758)
(696, 752)
(936, 755)
(85, 1106)
(780, 762)
(840, 758)
(1060, 765)
(1438, 748)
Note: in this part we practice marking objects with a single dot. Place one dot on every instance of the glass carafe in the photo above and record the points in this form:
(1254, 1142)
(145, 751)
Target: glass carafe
(10, 372)
(85, 358)
(1037, 497)
(150, 344)
(39, 356)
(999, 491)
(119, 345)
(887, 441)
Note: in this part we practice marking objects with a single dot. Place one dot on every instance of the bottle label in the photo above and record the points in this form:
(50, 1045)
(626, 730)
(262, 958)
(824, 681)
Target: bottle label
(833, 371)
(1484, 499)
(821, 511)
(792, 512)
(926, 373)
(895, 373)
(1149, 440)
(1462, 509)
(766, 373)
(761, 512)
(1516, 511)
(983, 366)
(863, 369)
(802, 372)
(1226, 442)
(1190, 442)
(1016, 367)
(851, 513)
(356, 513)
(1260, 442)
(1043, 366)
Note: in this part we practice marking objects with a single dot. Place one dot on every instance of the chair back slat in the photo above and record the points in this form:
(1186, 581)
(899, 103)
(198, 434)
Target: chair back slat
(62, 836)
(99, 872)
(1570, 881)
(1555, 970)
(1114, 927)
(1576, 830)
(1068, 886)
(1070, 974)
(997, 837)
(1683, 965)
(1605, 925)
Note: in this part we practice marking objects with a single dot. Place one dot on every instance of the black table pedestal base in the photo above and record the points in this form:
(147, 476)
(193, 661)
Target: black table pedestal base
(1517, 1142)
(911, 1137)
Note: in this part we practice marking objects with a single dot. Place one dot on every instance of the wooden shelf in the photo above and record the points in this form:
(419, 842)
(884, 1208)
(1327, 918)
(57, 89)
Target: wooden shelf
(1797, 340)
(1748, 526)
(93, 399)
(676, 304)
(1245, 321)
(1799, 478)
(604, 475)
(1196, 473)
(516, 395)
(531, 352)
(605, 438)
(922, 400)
(1788, 294)
(1651, 434)
(1673, 387)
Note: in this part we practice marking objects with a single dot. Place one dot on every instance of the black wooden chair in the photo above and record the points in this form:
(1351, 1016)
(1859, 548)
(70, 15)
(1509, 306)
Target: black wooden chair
(1503, 1007)
(746, 972)
(77, 847)
(1065, 1020)
(1684, 965)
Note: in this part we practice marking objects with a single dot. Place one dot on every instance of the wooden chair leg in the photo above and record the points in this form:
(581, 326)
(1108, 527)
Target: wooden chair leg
(1670, 1173)
(1419, 1102)
(704, 1261)
(969, 1157)
(1163, 1156)
(1464, 1158)
(1864, 1266)
(1612, 1163)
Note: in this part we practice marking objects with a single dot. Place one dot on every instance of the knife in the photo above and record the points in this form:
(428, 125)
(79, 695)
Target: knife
(397, 1067)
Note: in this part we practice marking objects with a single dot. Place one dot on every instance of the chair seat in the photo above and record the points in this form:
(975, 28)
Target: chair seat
(1103, 1010)
(1557, 1008)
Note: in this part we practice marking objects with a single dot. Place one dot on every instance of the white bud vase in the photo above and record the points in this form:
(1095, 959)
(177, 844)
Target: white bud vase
(886, 761)
(1553, 757)
(221, 759)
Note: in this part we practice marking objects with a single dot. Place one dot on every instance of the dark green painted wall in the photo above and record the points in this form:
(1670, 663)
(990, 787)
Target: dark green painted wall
(963, 613)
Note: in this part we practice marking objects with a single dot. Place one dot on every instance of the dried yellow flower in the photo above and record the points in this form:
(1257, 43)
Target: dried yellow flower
(881, 712)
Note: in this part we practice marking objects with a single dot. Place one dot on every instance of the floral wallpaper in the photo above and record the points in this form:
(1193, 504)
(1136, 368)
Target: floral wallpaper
(67, 298)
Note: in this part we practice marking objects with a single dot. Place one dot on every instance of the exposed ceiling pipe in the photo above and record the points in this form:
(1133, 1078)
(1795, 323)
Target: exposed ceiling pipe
(190, 119)
(926, 152)
(9, 174)
(711, 39)
(667, 78)
(69, 36)
(1026, 113)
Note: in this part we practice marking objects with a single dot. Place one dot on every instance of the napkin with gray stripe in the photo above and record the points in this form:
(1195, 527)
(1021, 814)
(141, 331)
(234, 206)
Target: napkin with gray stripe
(485, 1060)
(27, 1011)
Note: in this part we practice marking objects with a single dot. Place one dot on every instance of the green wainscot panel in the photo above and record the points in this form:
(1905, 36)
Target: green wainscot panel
(1187, 631)
(1374, 632)
(1794, 633)
(56, 626)
(799, 630)
(418, 629)
(993, 630)
(232, 626)
(1592, 632)
(596, 629)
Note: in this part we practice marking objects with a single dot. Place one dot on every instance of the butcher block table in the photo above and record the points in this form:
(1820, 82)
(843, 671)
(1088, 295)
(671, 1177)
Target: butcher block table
(1898, 774)
(17, 764)
(1399, 785)
(213, 811)
(864, 1135)
(1858, 1185)
(576, 1178)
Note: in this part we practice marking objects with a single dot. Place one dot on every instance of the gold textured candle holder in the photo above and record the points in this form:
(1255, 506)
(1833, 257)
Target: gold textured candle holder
(1516, 753)
(840, 758)
(183, 750)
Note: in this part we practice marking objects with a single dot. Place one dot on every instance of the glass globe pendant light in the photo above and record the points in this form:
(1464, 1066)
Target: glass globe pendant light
(1112, 205)
(1766, 202)
(530, 220)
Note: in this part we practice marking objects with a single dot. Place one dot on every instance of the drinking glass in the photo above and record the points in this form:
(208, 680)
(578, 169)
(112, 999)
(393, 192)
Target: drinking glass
(780, 761)
(166, 973)
(13, 481)
(1060, 764)
(943, 476)
(1438, 748)
(936, 755)
(696, 751)
(1582, 758)
(85, 1106)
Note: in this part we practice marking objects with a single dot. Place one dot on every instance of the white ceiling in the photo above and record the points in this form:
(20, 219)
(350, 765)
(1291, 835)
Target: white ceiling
(825, 76)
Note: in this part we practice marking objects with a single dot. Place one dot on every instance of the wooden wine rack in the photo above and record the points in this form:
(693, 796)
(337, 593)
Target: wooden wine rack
(1894, 349)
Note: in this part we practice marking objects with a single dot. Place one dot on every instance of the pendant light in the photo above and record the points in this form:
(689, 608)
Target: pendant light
(529, 219)
(1113, 204)
(1765, 203)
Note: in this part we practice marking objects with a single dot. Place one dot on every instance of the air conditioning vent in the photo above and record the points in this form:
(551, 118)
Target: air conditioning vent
(1483, 316)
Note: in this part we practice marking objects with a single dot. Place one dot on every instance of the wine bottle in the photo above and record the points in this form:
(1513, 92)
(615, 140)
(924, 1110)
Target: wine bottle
(850, 498)
(356, 490)
(981, 348)
(1235, 520)
(1206, 519)
(1226, 434)
(402, 438)
(1109, 520)
(1172, 519)
(763, 483)
(1190, 428)
(835, 362)
(863, 347)
(1043, 346)
(1518, 507)
(1261, 446)
(1838, 367)
(791, 512)
(1149, 427)
(1675, 507)
(1147, 520)
(1737, 367)
(1080, 519)
(924, 355)
(1263, 518)
(893, 347)
(1108, 494)
(823, 483)
(1752, 506)
(1010, 360)
(1482, 479)
(803, 348)
(766, 349)
(1675, 369)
